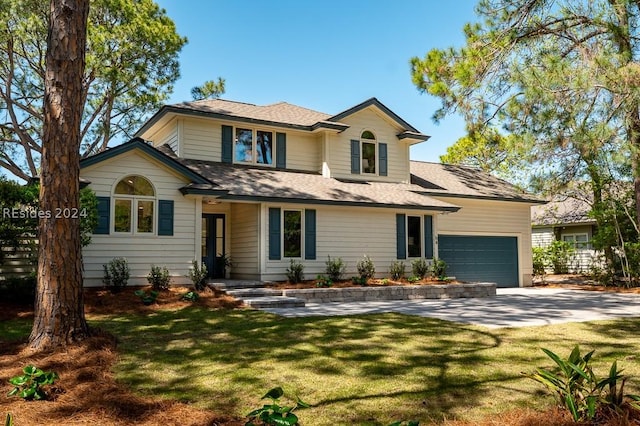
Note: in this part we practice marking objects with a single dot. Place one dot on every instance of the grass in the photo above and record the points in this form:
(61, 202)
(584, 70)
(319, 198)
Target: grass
(364, 370)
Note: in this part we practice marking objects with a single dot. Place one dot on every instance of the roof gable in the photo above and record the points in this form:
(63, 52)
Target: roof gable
(140, 144)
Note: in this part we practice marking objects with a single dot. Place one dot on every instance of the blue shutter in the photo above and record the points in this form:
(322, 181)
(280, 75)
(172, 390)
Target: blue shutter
(428, 237)
(104, 211)
(165, 217)
(227, 144)
(382, 151)
(355, 157)
(281, 150)
(310, 234)
(401, 236)
(274, 233)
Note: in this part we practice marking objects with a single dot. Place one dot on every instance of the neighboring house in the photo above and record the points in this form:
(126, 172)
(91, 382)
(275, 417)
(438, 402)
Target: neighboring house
(270, 184)
(566, 219)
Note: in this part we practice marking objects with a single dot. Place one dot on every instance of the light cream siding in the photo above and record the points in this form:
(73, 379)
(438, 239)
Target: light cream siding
(304, 151)
(245, 233)
(168, 134)
(201, 139)
(385, 132)
(487, 218)
(345, 232)
(175, 252)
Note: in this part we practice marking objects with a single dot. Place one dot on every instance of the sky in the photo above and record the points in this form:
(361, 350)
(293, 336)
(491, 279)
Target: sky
(327, 55)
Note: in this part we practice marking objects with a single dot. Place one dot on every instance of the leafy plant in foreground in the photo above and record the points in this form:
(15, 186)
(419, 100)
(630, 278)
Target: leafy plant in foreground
(9, 421)
(274, 414)
(578, 390)
(30, 384)
(324, 281)
(190, 296)
(147, 298)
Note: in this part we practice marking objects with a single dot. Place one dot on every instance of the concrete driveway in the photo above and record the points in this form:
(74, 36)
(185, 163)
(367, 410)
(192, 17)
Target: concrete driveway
(512, 307)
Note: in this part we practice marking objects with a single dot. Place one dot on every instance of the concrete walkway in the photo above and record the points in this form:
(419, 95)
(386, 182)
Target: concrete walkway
(512, 307)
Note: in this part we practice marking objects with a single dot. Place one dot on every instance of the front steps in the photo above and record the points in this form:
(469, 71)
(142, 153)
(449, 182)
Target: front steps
(253, 293)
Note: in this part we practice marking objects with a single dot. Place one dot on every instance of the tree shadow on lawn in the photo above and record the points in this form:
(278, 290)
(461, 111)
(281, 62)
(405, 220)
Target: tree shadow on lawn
(396, 365)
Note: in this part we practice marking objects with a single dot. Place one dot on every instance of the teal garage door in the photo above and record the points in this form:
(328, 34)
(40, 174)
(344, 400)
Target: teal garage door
(484, 259)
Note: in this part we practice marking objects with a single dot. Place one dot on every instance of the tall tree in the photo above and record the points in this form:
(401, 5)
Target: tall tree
(59, 310)
(210, 89)
(561, 75)
(131, 65)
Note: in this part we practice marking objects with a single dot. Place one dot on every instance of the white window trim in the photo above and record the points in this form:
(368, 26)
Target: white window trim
(134, 203)
(254, 147)
(302, 229)
(586, 243)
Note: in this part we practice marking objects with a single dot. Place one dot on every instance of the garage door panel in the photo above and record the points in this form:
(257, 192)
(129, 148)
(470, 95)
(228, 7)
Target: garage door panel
(476, 258)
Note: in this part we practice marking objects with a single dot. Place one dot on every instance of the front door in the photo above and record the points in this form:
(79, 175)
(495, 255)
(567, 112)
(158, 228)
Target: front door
(213, 243)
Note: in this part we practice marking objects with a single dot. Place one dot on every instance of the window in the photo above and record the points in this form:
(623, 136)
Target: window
(414, 236)
(292, 234)
(368, 142)
(253, 146)
(579, 241)
(134, 205)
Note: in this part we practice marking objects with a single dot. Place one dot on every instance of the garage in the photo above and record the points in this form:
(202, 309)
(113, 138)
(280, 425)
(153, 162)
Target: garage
(485, 259)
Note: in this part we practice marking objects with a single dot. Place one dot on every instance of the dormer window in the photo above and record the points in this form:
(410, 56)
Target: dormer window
(253, 146)
(368, 155)
(369, 147)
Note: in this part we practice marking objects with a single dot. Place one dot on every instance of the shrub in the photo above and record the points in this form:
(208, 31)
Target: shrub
(560, 254)
(295, 272)
(540, 261)
(334, 268)
(578, 390)
(439, 269)
(274, 414)
(30, 384)
(198, 275)
(420, 268)
(116, 274)
(159, 278)
(19, 290)
(366, 268)
(397, 269)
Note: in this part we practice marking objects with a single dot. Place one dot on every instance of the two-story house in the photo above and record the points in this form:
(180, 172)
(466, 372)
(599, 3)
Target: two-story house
(267, 184)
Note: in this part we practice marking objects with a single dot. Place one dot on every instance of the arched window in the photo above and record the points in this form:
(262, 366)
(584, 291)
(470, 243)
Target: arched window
(134, 202)
(368, 149)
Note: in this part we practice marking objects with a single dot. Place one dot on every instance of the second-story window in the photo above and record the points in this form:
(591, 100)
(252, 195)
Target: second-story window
(253, 146)
(369, 147)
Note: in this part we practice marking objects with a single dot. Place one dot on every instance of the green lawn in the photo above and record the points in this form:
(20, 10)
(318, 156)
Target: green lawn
(367, 369)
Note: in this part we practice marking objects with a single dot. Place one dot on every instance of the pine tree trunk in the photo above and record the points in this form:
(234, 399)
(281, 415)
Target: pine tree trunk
(59, 309)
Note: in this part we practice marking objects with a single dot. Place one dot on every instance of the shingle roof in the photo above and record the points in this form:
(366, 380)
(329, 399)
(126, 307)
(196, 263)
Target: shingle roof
(563, 210)
(281, 112)
(253, 183)
(466, 182)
